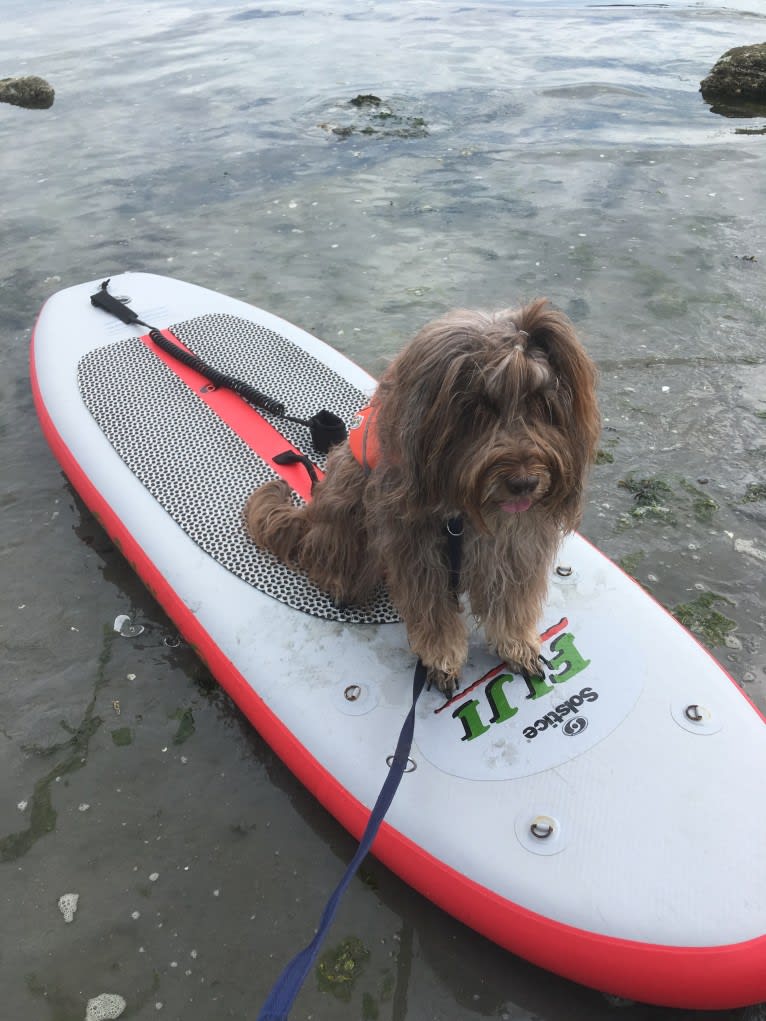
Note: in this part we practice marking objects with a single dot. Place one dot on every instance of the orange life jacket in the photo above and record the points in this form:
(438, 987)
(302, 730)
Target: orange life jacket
(363, 438)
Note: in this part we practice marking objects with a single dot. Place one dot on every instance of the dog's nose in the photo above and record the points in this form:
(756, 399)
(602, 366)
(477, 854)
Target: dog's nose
(523, 486)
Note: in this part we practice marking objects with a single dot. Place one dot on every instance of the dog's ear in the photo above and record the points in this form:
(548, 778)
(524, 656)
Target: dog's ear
(552, 333)
(573, 406)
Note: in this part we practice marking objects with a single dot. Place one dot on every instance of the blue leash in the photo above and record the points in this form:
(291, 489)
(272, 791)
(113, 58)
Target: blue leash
(287, 986)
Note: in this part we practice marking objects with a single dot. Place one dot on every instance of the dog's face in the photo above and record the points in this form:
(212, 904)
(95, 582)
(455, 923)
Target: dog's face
(492, 415)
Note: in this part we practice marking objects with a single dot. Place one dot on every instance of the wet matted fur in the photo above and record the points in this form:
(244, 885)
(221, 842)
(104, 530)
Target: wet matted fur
(490, 416)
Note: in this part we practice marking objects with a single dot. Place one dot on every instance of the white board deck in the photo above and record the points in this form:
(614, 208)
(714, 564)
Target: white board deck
(606, 823)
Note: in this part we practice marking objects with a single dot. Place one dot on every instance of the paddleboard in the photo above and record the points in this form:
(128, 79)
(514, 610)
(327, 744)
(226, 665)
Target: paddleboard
(604, 820)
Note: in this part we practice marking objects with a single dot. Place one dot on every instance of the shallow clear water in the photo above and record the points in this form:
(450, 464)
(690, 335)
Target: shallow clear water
(532, 148)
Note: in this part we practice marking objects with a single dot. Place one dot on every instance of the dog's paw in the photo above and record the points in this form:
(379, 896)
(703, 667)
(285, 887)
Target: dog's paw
(523, 657)
(444, 665)
(447, 682)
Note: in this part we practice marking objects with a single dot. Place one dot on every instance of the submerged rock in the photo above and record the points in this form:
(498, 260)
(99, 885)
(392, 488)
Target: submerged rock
(367, 114)
(736, 87)
(365, 99)
(30, 91)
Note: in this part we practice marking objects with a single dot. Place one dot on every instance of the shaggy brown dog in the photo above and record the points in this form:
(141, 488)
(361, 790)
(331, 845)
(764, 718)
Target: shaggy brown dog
(489, 416)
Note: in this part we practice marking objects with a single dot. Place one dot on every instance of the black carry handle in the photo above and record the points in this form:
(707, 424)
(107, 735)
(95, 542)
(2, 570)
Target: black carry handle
(291, 457)
(326, 428)
(103, 299)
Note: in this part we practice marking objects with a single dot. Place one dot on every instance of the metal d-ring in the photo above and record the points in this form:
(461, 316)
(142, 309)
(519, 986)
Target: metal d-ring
(410, 767)
(541, 830)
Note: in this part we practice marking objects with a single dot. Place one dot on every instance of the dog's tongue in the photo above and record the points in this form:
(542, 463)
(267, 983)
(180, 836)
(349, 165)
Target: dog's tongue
(517, 506)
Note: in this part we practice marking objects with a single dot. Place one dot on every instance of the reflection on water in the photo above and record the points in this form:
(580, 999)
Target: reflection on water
(534, 148)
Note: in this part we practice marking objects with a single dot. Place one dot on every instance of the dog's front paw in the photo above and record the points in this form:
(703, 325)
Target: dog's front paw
(523, 657)
(442, 654)
(445, 681)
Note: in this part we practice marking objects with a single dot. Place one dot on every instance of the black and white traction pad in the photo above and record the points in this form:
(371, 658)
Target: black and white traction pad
(195, 465)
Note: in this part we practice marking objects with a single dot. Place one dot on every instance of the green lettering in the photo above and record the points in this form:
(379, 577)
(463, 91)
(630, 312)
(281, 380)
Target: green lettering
(568, 657)
(468, 715)
(536, 687)
(501, 708)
